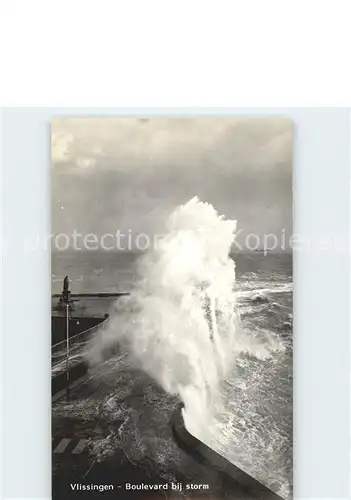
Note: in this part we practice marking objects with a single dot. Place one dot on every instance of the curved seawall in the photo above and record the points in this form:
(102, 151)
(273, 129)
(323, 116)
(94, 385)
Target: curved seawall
(202, 453)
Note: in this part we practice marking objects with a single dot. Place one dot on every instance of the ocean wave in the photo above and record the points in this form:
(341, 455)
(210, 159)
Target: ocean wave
(263, 289)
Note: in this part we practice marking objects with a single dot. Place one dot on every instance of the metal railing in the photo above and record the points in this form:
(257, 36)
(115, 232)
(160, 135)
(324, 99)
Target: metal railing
(58, 350)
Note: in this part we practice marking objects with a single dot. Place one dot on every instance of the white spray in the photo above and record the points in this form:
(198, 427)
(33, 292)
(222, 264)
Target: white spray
(180, 324)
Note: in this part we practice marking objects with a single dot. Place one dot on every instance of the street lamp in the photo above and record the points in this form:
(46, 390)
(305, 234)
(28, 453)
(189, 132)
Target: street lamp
(67, 351)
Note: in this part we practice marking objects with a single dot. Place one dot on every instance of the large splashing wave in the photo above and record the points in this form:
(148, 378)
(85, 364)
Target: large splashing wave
(180, 324)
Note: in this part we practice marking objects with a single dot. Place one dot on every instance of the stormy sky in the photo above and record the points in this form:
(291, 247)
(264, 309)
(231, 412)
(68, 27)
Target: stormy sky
(128, 173)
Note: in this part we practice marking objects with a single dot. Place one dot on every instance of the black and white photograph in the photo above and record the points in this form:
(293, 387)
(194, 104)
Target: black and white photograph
(172, 307)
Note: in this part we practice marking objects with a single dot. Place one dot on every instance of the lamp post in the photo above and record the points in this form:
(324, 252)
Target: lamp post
(67, 351)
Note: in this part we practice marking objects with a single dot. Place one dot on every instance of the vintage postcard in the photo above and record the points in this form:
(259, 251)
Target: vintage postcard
(172, 346)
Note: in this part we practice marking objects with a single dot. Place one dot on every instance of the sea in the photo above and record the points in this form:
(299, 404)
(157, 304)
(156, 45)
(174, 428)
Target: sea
(255, 429)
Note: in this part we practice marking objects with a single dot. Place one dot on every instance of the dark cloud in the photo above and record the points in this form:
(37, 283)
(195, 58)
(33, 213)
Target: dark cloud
(124, 174)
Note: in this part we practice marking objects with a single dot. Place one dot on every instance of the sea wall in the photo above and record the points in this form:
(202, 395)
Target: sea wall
(202, 453)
